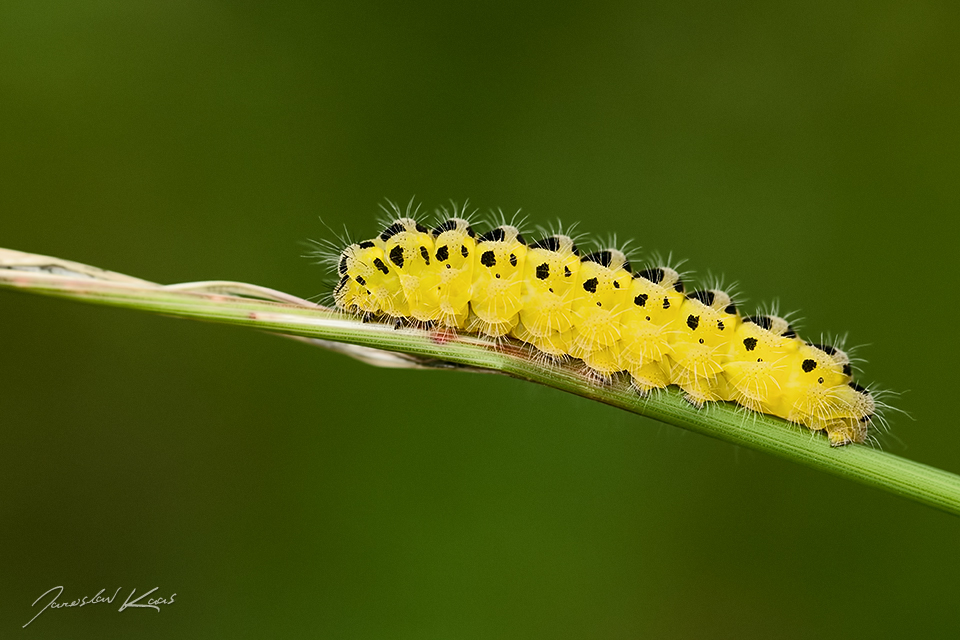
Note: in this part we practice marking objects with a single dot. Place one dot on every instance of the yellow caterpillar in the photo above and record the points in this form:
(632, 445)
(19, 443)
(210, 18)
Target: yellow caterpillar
(595, 308)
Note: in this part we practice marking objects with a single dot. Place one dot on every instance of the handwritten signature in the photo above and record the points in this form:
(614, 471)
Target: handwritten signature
(152, 603)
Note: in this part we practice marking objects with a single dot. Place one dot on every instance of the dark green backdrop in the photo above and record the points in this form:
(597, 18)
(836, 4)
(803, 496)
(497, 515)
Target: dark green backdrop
(808, 152)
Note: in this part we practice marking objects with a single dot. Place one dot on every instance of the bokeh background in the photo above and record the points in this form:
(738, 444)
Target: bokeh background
(808, 152)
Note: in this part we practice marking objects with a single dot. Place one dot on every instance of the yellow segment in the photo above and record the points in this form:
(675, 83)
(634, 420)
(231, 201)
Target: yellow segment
(497, 294)
(701, 333)
(455, 250)
(758, 361)
(599, 299)
(408, 247)
(549, 286)
(647, 326)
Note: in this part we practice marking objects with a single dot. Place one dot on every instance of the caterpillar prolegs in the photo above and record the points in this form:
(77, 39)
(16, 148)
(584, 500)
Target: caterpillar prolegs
(596, 308)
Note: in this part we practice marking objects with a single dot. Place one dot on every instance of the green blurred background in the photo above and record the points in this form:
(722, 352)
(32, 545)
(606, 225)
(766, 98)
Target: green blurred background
(808, 152)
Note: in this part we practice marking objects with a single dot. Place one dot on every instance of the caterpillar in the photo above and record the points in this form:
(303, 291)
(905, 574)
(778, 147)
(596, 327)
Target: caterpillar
(595, 307)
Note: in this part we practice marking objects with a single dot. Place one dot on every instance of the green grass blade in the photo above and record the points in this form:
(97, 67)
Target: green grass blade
(235, 304)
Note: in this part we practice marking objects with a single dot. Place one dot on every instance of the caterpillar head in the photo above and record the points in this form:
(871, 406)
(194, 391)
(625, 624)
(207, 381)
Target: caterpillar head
(849, 411)
(360, 267)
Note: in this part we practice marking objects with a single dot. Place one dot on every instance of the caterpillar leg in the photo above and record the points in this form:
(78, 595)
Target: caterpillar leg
(647, 377)
(606, 361)
(846, 432)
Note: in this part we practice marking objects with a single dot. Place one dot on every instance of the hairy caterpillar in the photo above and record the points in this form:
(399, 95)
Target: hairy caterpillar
(596, 308)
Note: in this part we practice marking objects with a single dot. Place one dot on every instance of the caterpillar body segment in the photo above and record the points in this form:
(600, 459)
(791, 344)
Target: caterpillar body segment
(549, 286)
(497, 293)
(648, 326)
(455, 247)
(759, 356)
(600, 301)
(700, 343)
(409, 247)
(595, 308)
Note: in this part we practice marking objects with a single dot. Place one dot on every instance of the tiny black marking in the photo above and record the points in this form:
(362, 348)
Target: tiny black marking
(731, 309)
(342, 267)
(463, 251)
(543, 271)
(666, 302)
(693, 322)
(425, 255)
(789, 333)
(847, 369)
(704, 295)
(551, 243)
(450, 225)
(443, 253)
(366, 244)
(446, 225)
(566, 271)
(654, 275)
(641, 301)
(599, 305)
(498, 276)
(591, 285)
(764, 322)
(488, 259)
(825, 348)
(856, 387)
(820, 380)
(361, 282)
(809, 365)
(720, 325)
(678, 286)
(378, 263)
(391, 231)
(422, 229)
(396, 256)
(600, 257)
(616, 285)
(701, 340)
(494, 235)
(750, 343)
(513, 260)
